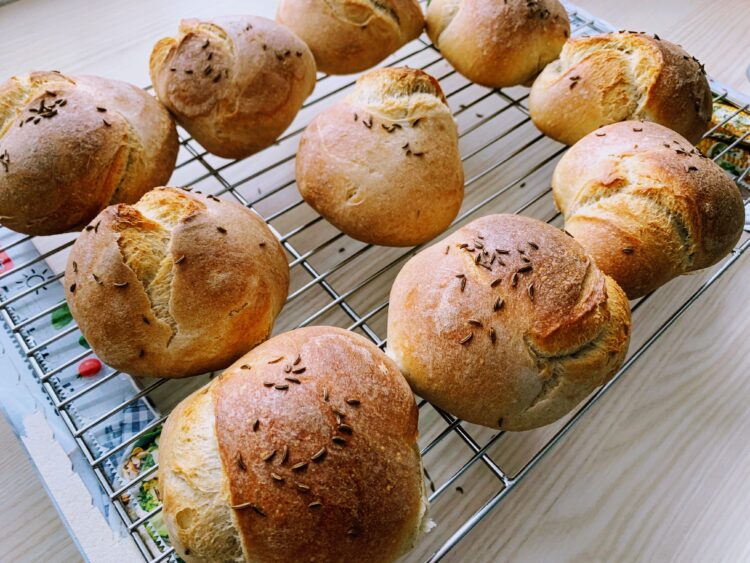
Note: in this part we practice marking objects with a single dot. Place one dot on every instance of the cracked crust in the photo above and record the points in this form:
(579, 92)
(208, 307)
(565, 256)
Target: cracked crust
(193, 486)
(615, 77)
(235, 83)
(104, 142)
(392, 176)
(498, 44)
(225, 446)
(348, 36)
(646, 204)
(158, 289)
(560, 330)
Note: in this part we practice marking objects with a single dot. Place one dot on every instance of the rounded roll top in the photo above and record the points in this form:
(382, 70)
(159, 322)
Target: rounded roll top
(178, 284)
(73, 145)
(506, 323)
(605, 79)
(646, 204)
(235, 83)
(316, 432)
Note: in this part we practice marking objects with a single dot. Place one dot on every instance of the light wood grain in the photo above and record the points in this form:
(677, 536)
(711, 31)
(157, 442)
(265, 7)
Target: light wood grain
(657, 471)
(715, 32)
(31, 528)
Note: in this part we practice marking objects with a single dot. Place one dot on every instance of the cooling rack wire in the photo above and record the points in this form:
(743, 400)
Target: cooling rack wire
(337, 281)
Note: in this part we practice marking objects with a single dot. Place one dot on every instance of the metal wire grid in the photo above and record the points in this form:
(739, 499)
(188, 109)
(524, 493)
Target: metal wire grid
(334, 277)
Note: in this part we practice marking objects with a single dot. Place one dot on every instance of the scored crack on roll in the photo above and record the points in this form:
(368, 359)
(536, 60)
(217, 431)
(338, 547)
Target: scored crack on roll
(498, 44)
(621, 76)
(383, 164)
(348, 36)
(506, 323)
(71, 145)
(235, 83)
(177, 284)
(254, 467)
(646, 204)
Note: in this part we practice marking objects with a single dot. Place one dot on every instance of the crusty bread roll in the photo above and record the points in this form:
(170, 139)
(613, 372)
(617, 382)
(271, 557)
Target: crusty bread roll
(498, 44)
(73, 145)
(349, 36)
(235, 83)
(646, 204)
(178, 284)
(506, 323)
(383, 164)
(616, 77)
(304, 450)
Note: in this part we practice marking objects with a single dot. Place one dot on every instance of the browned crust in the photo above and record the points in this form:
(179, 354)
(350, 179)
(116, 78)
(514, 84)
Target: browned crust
(67, 167)
(646, 204)
(498, 44)
(604, 79)
(680, 97)
(225, 294)
(348, 36)
(560, 332)
(237, 82)
(369, 487)
(383, 164)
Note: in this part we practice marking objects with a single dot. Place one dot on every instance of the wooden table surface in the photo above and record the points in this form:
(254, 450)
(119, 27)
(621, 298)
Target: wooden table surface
(659, 470)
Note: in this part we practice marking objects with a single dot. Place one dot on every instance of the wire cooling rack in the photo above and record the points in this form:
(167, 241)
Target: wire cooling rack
(336, 281)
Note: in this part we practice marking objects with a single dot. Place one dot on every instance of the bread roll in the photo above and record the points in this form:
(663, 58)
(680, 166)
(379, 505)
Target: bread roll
(235, 83)
(349, 36)
(498, 44)
(616, 77)
(304, 450)
(73, 145)
(178, 284)
(383, 164)
(646, 204)
(506, 323)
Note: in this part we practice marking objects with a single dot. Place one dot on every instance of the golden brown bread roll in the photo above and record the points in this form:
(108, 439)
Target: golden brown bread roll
(498, 44)
(73, 145)
(646, 204)
(383, 164)
(349, 36)
(506, 323)
(304, 450)
(178, 284)
(235, 83)
(616, 77)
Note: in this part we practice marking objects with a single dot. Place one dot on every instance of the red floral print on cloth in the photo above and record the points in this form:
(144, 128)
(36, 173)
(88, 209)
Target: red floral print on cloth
(6, 262)
(89, 368)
